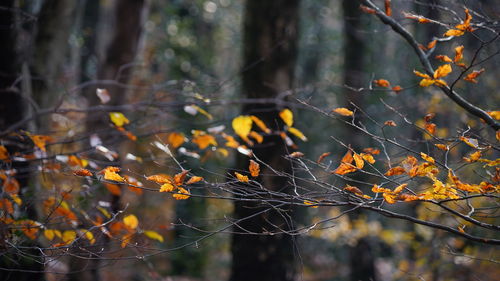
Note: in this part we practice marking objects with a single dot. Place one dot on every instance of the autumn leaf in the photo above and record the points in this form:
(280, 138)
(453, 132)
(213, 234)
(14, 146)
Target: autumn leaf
(494, 114)
(240, 177)
(443, 147)
(427, 158)
(40, 141)
(388, 9)
(167, 187)
(113, 189)
(358, 160)
(431, 44)
(180, 177)
(131, 221)
(153, 235)
(368, 157)
(473, 157)
(242, 125)
(310, 204)
(297, 133)
(287, 116)
(419, 18)
(103, 95)
(175, 139)
(471, 77)
(367, 10)
(193, 109)
(397, 89)
(345, 166)
(254, 168)
(194, 179)
(443, 58)
(256, 136)
(458, 54)
(182, 194)
(6, 206)
(204, 140)
(431, 128)
(394, 171)
(470, 142)
(118, 119)
(160, 178)
(461, 28)
(322, 156)
(260, 124)
(353, 189)
(110, 173)
(390, 123)
(4, 154)
(382, 83)
(371, 150)
(296, 154)
(68, 236)
(442, 71)
(343, 111)
(82, 173)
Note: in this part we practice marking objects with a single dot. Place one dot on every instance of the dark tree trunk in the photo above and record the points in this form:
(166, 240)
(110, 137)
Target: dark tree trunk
(361, 255)
(270, 52)
(12, 110)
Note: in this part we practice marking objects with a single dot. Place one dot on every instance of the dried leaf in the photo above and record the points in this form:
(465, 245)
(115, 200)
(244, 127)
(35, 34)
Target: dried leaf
(180, 177)
(390, 123)
(358, 160)
(254, 168)
(296, 154)
(322, 156)
(397, 89)
(203, 141)
(471, 77)
(160, 178)
(442, 71)
(167, 187)
(82, 173)
(354, 190)
(68, 236)
(367, 10)
(256, 136)
(4, 154)
(388, 9)
(443, 58)
(470, 142)
(394, 171)
(443, 147)
(458, 54)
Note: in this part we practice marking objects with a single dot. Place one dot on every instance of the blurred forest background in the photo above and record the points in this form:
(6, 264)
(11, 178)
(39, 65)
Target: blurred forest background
(166, 54)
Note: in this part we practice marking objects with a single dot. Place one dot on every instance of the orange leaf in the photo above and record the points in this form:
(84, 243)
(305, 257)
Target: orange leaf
(367, 10)
(390, 123)
(160, 178)
(388, 10)
(254, 168)
(371, 150)
(431, 44)
(473, 157)
(458, 54)
(471, 77)
(175, 139)
(4, 154)
(345, 168)
(394, 171)
(40, 141)
(442, 71)
(113, 189)
(260, 124)
(112, 176)
(443, 58)
(203, 141)
(470, 142)
(194, 179)
(182, 194)
(322, 156)
(454, 32)
(179, 178)
(368, 158)
(256, 136)
(442, 146)
(382, 83)
(431, 128)
(343, 111)
(397, 89)
(241, 177)
(419, 18)
(11, 186)
(82, 173)
(296, 154)
(167, 187)
(359, 161)
(354, 190)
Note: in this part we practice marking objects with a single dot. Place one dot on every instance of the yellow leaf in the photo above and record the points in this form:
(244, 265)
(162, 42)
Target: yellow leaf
(160, 178)
(89, 236)
(343, 111)
(470, 142)
(442, 146)
(310, 204)
(182, 194)
(254, 168)
(131, 221)
(180, 177)
(442, 71)
(368, 158)
(241, 177)
(242, 125)
(260, 124)
(458, 54)
(49, 234)
(443, 58)
(427, 158)
(68, 236)
(118, 119)
(112, 176)
(473, 157)
(378, 189)
(494, 114)
(394, 171)
(175, 139)
(16, 199)
(287, 116)
(420, 74)
(153, 235)
(399, 188)
(40, 141)
(454, 32)
(359, 161)
(167, 187)
(297, 133)
(389, 198)
(202, 111)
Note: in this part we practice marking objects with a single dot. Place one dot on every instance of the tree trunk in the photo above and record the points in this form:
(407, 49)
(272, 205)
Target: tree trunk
(270, 52)
(13, 261)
